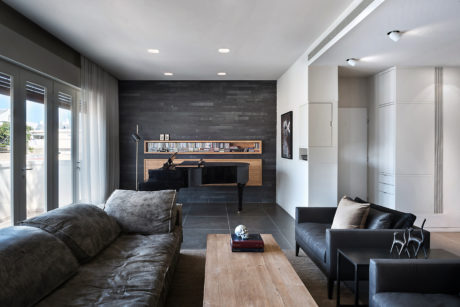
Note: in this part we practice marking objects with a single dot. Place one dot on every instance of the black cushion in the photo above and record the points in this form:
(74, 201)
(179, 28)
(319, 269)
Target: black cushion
(377, 219)
(402, 299)
(314, 236)
(400, 220)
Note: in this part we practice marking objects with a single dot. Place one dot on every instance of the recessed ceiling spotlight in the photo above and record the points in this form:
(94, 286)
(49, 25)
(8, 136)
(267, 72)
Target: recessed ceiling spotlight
(224, 50)
(168, 74)
(221, 73)
(154, 51)
(352, 61)
(394, 35)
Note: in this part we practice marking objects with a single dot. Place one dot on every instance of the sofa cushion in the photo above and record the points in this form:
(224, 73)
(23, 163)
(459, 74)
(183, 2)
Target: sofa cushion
(314, 236)
(350, 214)
(377, 219)
(85, 229)
(402, 299)
(143, 212)
(33, 264)
(130, 272)
(400, 220)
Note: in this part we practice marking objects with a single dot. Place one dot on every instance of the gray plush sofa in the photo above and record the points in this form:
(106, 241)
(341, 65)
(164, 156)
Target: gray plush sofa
(81, 255)
(414, 282)
(320, 243)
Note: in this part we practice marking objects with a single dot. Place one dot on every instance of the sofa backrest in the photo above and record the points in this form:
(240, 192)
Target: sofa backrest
(401, 220)
(33, 264)
(85, 229)
(143, 212)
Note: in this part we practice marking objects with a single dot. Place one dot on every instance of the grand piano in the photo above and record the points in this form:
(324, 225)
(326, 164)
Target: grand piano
(198, 174)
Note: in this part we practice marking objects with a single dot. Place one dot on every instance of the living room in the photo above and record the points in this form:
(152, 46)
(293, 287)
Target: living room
(224, 153)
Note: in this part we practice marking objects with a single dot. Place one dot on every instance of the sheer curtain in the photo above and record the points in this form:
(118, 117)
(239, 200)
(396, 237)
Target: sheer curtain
(99, 149)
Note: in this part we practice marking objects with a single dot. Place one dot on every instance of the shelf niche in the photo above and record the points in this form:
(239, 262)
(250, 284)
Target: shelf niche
(208, 147)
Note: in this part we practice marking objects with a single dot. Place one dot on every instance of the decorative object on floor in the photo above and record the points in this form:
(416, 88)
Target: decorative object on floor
(242, 232)
(252, 243)
(402, 242)
(417, 238)
(136, 138)
(286, 135)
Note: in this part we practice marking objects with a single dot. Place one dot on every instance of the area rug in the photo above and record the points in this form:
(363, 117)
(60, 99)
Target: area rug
(187, 286)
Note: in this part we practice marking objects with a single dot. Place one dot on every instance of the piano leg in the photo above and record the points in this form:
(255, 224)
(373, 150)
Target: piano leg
(240, 196)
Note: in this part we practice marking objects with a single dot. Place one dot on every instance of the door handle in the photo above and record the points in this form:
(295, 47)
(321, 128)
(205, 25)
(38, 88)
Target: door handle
(27, 168)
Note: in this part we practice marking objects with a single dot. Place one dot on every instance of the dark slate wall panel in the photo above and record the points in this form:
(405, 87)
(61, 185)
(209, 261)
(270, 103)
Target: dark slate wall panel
(200, 110)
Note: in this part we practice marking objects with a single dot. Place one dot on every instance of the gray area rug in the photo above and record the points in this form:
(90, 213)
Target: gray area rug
(187, 286)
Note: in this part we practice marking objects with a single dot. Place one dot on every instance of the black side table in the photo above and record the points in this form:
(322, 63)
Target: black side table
(359, 258)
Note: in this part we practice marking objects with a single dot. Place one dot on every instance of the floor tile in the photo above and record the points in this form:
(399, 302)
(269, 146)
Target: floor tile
(253, 223)
(196, 238)
(208, 210)
(206, 222)
(248, 210)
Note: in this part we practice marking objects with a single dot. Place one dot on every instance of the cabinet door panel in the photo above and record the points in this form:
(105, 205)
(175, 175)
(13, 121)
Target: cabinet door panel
(320, 124)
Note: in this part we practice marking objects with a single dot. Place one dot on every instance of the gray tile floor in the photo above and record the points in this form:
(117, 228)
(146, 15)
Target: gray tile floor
(202, 219)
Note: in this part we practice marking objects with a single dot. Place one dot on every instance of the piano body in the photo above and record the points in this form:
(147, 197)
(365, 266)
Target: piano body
(197, 174)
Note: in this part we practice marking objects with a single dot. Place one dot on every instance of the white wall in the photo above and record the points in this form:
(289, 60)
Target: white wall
(323, 159)
(292, 175)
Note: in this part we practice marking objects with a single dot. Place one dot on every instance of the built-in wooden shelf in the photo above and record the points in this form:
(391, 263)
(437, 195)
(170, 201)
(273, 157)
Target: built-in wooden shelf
(208, 147)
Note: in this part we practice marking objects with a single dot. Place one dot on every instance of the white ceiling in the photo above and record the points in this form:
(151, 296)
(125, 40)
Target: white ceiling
(265, 36)
(431, 38)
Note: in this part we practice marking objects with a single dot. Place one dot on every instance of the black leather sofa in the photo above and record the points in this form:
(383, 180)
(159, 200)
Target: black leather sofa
(320, 243)
(414, 282)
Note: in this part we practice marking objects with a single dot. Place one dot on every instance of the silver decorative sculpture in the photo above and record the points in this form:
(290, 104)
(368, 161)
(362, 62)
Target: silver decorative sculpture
(402, 242)
(417, 238)
(242, 231)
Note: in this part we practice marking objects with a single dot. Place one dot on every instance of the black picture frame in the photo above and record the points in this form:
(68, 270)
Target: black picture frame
(286, 135)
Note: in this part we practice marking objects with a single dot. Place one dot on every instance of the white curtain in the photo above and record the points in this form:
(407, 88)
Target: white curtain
(99, 149)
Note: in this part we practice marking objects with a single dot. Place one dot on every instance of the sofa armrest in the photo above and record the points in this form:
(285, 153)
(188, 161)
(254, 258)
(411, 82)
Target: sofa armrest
(358, 238)
(414, 275)
(324, 215)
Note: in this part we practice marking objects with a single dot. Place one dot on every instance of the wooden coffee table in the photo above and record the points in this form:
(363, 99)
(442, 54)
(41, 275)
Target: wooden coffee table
(251, 279)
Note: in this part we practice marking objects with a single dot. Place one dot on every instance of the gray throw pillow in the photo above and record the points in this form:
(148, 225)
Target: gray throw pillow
(143, 212)
(377, 219)
(34, 263)
(350, 214)
(85, 229)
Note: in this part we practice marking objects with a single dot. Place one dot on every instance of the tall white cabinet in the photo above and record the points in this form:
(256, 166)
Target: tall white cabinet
(401, 139)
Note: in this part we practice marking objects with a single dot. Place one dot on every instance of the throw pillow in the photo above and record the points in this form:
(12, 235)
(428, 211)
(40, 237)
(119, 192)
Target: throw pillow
(85, 229)
(378, 220)
(350, 214)
(406, 220)
(143, 212)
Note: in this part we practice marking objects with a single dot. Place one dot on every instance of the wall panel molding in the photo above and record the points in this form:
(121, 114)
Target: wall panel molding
(438, 149)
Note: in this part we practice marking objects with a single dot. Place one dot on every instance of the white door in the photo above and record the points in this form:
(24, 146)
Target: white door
(352, 150)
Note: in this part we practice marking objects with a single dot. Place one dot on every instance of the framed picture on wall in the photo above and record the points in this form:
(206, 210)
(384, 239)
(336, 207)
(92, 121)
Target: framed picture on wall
(286, 135)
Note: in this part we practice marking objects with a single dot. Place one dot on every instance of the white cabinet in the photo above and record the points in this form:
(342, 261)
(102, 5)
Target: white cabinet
(403, 132)
(320, 125)
(386, 117)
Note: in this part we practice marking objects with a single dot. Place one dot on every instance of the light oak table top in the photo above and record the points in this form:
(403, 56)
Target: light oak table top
(251, 279)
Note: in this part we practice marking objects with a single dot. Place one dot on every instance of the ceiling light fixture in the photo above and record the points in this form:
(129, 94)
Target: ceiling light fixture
(352, 61)
(221, 73)
(224, 50)
(168, 74)
(154, 51)
(394, 35)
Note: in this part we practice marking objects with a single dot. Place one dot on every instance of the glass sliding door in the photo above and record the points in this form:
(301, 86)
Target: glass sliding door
(65, 165)
(5, 149)
(35, 169)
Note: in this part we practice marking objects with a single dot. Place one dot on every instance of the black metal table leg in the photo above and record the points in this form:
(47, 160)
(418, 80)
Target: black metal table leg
(356, 285)
(240, 196)
(338, 278)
